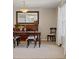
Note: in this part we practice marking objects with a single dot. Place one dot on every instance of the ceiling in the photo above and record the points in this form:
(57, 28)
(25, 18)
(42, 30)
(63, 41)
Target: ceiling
(36, 3)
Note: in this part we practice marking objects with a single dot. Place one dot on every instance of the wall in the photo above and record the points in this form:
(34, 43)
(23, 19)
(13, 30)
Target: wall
(47, 19)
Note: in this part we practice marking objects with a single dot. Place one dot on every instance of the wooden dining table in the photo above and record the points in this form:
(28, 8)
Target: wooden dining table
(27, 33)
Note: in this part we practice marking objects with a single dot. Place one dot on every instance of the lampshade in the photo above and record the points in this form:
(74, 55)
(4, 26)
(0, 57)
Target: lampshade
(23, 10)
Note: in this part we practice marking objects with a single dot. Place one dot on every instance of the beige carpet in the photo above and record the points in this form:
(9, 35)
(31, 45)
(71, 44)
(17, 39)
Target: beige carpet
(48, 50)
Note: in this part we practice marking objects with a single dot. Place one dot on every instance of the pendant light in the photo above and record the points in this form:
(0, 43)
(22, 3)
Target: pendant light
(24, 9)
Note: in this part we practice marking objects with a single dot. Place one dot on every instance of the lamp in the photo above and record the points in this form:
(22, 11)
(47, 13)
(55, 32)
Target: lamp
(24, 9)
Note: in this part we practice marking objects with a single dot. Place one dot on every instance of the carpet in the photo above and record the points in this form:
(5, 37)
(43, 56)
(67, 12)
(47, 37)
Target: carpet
(46, 51)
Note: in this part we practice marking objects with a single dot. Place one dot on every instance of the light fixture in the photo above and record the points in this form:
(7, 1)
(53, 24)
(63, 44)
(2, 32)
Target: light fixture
(24, 9)
(61, 2)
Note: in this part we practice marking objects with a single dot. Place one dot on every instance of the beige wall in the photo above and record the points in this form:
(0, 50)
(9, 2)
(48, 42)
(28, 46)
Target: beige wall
(47, 19)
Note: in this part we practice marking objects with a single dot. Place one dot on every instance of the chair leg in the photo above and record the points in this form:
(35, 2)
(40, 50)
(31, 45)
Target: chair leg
(50, 38)
(47, 38)
(17, 42)
(27, 43)
(14, 43)
(35, 44)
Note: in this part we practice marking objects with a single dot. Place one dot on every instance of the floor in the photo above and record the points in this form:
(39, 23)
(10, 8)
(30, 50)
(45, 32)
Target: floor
(48, 50)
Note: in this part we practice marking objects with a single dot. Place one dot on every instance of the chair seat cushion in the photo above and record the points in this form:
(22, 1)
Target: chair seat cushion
(51, 34)
(16, 37)
(32, 37)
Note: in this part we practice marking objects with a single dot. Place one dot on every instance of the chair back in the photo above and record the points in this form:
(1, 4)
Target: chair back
(52, 30)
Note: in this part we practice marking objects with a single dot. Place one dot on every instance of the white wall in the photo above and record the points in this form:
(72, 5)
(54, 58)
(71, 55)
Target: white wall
(47, 19)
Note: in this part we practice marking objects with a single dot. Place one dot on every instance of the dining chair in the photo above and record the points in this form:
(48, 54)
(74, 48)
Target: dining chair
(30, 39)
(52, 34)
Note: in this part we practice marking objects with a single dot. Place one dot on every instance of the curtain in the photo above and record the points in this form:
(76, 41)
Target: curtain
(61, 25)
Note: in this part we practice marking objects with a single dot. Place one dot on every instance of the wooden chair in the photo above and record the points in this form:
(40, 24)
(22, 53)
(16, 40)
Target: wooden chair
(30, 39)
(52, 35)
(16, 39)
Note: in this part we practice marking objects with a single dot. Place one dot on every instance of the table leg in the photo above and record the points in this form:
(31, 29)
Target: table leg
(39, 41)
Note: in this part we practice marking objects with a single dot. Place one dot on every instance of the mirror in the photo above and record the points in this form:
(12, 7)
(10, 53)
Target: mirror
(29, 17)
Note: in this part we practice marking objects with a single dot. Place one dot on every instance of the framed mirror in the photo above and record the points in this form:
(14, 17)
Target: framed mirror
(27, 18)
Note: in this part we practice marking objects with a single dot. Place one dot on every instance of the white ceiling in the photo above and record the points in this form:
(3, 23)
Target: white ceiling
(36, 3)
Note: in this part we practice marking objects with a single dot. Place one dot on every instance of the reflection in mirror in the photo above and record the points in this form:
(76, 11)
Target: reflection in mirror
(29, 17)
(21, 17)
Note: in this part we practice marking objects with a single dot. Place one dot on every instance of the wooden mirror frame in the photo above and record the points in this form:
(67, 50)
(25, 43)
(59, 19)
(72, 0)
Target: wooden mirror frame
(27, 12)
